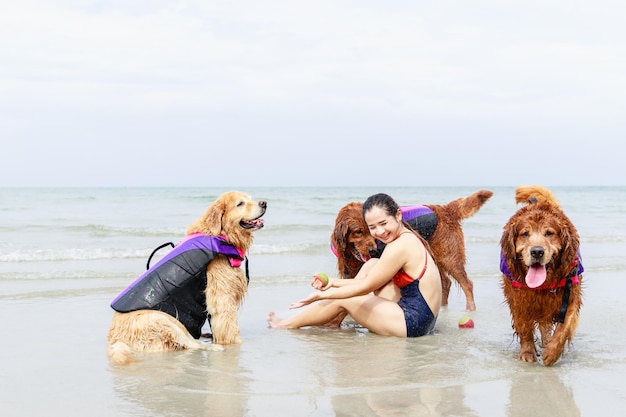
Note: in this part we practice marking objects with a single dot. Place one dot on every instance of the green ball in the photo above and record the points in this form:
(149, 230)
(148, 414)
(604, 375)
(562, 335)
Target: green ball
(323, 277)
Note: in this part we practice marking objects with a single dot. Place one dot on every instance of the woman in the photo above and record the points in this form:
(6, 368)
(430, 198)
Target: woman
(398, 294)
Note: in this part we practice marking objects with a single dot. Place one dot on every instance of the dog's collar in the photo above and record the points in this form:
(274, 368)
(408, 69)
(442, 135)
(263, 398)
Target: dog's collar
(234, 262)
(566, 283)
(573, 276)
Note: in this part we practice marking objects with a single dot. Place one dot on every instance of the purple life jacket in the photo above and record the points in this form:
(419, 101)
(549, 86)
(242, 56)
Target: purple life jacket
(176, 284)
(421, 219)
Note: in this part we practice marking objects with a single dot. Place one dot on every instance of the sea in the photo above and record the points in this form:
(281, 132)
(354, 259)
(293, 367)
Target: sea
(65, 253)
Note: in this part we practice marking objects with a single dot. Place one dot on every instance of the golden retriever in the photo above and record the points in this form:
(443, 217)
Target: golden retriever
(165, 308)
(542, 274)
(353, 244)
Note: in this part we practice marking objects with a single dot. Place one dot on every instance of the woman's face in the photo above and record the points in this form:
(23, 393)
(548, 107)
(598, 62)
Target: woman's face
(381, 225)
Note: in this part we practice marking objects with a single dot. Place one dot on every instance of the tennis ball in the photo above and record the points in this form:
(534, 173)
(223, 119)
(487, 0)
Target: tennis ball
(466, 322)
(322, 277)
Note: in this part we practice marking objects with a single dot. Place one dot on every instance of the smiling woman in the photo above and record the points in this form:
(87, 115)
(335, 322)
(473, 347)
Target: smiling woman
(398, 294)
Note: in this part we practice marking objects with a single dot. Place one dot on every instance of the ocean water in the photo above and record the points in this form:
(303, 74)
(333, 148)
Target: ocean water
(65, 253)
(65, 241)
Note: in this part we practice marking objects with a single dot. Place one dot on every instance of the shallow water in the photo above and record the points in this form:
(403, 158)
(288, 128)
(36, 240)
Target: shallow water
(60, 269)
(55, 364)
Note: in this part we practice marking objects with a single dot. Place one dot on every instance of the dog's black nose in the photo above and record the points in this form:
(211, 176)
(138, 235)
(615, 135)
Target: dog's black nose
(263, 204)
(537, 252)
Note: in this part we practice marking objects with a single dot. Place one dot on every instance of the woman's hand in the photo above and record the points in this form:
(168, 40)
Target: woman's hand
(305, 301)
(321, 282)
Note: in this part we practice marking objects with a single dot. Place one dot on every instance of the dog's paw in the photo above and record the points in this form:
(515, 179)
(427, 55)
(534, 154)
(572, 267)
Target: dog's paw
(528, 355)
(214, 348)
(550, 355)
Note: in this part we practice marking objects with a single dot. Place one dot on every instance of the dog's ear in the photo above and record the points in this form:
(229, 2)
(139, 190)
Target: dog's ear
(507, 242)
(213, 217)
(339, 237)
(569, 237)
(211, 221)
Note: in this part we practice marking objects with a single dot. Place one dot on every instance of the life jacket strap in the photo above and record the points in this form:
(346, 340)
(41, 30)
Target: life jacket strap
(155, 251)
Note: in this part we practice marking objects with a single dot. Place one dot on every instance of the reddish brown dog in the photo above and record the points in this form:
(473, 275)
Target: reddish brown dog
(542, 274)
(353, 244)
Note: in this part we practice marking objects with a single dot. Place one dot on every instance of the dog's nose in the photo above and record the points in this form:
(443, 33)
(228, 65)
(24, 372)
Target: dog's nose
(263, 204)
(537, 252)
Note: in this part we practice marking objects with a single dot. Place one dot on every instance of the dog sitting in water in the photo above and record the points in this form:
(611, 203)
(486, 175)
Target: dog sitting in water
(201, 278)
(440, 225)
(542, 274)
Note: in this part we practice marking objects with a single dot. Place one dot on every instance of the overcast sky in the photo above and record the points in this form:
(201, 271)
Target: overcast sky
(253, 92)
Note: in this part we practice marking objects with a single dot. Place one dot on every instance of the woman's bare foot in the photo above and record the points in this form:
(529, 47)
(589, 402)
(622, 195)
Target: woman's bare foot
(273, 321)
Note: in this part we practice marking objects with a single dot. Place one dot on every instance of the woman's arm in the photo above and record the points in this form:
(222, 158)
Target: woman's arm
(372, 276)
(362, 284)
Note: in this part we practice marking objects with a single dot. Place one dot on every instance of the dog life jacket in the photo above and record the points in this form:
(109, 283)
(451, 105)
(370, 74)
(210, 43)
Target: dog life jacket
(176, 284)
(421, 219)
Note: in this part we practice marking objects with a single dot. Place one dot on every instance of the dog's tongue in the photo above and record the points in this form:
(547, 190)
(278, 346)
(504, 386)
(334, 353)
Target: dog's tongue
(536, 276)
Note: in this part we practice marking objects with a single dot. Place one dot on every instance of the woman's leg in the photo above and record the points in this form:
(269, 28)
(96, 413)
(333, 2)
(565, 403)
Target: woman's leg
(374, 313)
(377, 314)
(389, 291)
(316, 314)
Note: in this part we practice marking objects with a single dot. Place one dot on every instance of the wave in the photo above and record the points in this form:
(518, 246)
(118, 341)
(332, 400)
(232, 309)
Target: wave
(98, 230)
(57, 293)
(172, 232)
(297, 227)
(66, 275)
(603, 239)
(72, 254)
(297, 248)
(102, 231)
(82, 254)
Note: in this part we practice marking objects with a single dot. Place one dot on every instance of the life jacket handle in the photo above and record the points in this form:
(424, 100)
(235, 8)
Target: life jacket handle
(154, 251)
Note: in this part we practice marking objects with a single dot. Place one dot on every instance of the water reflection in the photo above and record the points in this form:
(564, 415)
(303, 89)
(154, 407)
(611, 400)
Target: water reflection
(540, 391)
(186, 383)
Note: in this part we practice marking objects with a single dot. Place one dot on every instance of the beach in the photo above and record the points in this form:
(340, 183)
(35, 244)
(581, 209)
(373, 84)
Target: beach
(67, 253)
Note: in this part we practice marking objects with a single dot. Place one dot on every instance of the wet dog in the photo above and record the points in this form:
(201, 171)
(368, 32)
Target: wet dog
(165, 308)
(542, 274)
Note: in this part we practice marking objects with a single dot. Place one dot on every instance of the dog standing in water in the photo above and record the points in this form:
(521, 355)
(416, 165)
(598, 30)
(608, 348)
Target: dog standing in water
(541, 274)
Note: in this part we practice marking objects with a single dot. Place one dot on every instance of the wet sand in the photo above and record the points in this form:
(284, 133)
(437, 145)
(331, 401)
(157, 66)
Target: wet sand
(54, 364)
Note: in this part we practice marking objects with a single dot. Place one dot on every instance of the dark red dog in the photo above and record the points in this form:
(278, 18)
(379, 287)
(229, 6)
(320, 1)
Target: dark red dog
(541, 274)
(440, 225)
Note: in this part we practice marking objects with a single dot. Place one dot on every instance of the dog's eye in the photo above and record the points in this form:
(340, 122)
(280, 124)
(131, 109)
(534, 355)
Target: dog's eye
(525, 233)
(241, 203)
(549, 233)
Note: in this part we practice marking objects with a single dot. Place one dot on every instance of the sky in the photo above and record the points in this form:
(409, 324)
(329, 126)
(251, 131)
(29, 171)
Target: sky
(312, 93)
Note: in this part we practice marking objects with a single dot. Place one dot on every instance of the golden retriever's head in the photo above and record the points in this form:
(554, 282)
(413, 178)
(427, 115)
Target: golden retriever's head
(233, 214)
(352, 240)
(539, 243)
